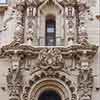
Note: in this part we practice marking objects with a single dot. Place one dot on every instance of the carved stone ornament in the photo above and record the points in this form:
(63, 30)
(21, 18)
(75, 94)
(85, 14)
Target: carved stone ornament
(70, 19)
(51, 58)
(85, 81)
(42, 81)
(31, 25)
(43, 67)
(19, 32)
(84, 15)
(14, 77)
(50, 65)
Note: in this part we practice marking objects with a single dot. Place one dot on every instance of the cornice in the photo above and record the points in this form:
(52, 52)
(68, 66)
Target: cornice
(67, 51)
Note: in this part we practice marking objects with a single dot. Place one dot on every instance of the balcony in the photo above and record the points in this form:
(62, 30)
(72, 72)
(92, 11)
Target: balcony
(3, 5)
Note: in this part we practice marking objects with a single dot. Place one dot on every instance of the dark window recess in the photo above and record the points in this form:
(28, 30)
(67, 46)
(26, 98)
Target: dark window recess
(49, 95)
(50, 31)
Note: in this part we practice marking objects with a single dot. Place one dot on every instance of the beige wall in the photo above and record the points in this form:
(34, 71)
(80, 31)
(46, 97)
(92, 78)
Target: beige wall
(94, 38)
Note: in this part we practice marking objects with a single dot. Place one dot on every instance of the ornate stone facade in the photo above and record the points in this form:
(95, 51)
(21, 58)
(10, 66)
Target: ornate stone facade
(66, 69)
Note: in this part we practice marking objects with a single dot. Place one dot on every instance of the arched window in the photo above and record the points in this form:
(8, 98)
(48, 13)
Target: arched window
(50, 36)
(49, 95)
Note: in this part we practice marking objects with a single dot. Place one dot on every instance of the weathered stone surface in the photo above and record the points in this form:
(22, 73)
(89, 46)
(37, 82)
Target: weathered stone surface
(28, 67)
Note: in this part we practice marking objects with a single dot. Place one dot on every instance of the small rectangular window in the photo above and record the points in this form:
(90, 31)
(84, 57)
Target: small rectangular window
(50, 30)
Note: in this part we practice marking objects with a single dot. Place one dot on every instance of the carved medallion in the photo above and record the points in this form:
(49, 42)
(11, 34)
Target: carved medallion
(51, 58)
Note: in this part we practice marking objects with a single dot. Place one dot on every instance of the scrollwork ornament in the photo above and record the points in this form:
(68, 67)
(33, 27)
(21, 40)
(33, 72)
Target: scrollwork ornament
(51, 58)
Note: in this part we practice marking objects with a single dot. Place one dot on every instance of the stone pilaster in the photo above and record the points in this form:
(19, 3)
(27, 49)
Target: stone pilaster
(31, 24)
(85, 77)
(31, 32)
(70, 21)
(14, 77)
(19, 33)
(84, 15)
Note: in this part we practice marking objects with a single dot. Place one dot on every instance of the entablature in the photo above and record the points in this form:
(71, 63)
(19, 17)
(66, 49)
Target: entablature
(68, 51)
